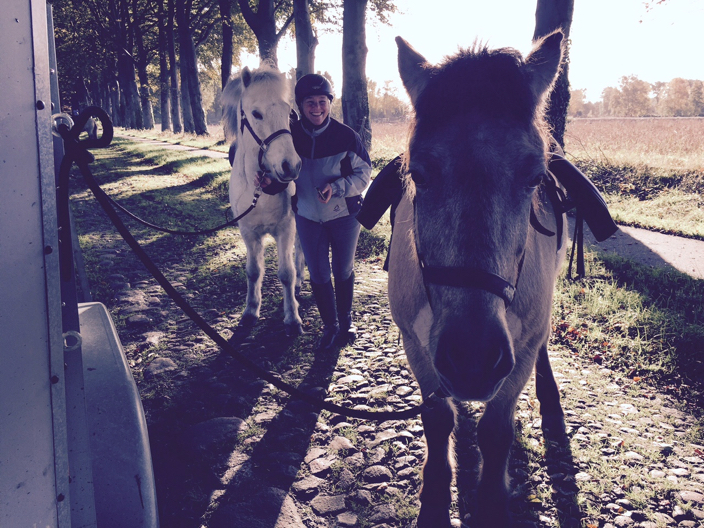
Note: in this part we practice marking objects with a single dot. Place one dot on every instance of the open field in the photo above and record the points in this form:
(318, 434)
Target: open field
(651, 170)
(659, 143)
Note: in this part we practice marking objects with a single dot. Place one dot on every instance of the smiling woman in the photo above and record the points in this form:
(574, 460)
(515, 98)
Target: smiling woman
(336, 170)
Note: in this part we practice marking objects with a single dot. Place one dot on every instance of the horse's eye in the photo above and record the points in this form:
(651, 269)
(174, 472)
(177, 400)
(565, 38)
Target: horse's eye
(257, 115)
(419, 178)
(536, 180)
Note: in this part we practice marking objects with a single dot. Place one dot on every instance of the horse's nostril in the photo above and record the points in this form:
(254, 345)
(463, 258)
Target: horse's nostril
(290, 172)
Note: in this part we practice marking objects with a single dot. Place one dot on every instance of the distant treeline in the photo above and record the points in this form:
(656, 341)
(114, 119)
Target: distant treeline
(637, 98)
(384, 103)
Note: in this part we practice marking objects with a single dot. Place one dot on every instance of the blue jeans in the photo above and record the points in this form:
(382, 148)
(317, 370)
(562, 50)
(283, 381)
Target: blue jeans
(340, 235)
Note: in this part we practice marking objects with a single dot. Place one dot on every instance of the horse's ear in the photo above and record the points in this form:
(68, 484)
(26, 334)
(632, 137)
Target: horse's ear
(246, 77)
(413, 69)
(543, 62)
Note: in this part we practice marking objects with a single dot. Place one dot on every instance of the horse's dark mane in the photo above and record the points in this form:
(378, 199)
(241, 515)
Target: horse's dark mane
(491, 82)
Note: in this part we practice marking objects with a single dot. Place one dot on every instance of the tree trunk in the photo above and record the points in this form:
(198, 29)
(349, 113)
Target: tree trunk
(305, 39)
(188, 124)
(263, 25)
(355, 99)
(551, 15)
(164, 100)
(227, 35)
(130, 94)
(173, 70)
(144, 91)
(189, 72)
(114, 93)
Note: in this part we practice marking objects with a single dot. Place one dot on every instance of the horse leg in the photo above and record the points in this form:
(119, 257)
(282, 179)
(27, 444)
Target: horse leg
(287, 277)
(495, 434)
(553, 417)
(255, 277)
(435, 495)
(300, 263)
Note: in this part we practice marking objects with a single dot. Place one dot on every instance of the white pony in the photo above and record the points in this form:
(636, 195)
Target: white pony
(257, 111)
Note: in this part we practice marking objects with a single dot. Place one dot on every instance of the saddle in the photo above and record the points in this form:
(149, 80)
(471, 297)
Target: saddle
(581, 195)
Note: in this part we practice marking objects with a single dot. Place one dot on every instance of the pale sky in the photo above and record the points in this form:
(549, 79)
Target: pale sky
(609, 40)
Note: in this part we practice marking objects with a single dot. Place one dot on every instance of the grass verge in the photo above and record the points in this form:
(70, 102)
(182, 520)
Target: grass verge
(646, 323)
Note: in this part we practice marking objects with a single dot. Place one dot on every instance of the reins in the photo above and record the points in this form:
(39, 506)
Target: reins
(76, 153)
(105, 140)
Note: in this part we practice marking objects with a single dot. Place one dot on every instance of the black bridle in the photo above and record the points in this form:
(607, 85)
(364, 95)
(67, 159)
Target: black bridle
(477, 278)
(263, 144)
(469, 277)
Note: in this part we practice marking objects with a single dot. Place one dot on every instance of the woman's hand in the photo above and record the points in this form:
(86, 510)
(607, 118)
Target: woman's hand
(324, 193)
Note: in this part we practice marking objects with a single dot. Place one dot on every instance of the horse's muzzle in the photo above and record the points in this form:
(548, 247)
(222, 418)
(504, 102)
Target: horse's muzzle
(472, 367)
(289, 171)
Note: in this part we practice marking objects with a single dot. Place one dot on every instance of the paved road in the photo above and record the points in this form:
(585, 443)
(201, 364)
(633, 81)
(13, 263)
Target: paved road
(656, 249)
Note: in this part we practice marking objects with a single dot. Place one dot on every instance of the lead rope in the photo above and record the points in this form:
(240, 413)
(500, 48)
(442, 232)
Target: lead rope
(186, 233)
(76, 153)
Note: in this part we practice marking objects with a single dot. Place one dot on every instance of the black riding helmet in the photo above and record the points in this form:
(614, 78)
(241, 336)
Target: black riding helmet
(313, 84)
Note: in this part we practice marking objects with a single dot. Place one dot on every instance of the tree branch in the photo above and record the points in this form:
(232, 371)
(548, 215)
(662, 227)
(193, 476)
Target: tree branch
(249, 15)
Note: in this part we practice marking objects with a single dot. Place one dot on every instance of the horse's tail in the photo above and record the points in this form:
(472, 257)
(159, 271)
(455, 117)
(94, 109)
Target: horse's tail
(230, 101)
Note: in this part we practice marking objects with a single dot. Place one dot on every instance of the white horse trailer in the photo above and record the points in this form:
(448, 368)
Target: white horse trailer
(74, 450)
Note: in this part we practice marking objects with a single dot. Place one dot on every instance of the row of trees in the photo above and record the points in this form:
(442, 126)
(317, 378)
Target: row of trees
(170, 58)
(148, 61)
(637, 98)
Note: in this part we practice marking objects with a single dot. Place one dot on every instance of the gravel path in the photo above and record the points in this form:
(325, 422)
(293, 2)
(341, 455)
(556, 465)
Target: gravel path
(231, 451)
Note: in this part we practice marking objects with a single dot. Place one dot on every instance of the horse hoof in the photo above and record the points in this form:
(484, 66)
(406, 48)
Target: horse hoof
(433, 520)
(554, 428)
(240, 334)
(248, 321)
(294, 329)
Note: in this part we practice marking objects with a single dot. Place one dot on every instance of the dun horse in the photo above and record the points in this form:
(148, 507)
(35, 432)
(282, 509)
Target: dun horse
(470, 278)
(256, 110)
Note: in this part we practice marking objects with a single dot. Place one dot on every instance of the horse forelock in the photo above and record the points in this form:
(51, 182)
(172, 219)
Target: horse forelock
(271, 79)
(265, 77)
(490, 82)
